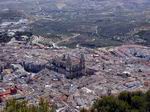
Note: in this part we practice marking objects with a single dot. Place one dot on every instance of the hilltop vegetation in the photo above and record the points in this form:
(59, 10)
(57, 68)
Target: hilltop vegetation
(124, 102)
(22, 106)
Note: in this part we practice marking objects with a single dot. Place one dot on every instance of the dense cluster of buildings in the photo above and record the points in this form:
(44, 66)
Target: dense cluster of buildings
(67, 80)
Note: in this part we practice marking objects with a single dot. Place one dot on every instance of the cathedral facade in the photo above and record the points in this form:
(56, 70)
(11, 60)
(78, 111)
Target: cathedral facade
(71, 68)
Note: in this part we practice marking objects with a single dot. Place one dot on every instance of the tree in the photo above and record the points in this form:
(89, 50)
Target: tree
(22, 106)
(125, 96)
(124, 102)
(137, 102)
(111, 104)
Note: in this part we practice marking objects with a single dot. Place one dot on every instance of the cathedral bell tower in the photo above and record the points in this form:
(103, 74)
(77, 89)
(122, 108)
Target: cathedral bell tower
(68, 66)
(82, 64)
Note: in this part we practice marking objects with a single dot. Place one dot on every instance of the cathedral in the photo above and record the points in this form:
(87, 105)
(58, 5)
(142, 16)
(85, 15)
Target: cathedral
(66, 65)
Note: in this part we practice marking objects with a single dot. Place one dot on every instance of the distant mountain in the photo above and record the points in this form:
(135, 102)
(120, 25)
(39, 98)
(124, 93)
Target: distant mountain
(78, 4)
(115, 21)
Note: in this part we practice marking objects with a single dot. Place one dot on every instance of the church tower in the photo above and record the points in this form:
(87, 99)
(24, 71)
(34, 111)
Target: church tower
(1, 75)
(68, 66)
(82, 64)
(82, 61)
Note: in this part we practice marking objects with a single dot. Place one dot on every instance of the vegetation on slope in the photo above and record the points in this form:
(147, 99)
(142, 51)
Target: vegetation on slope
(124, 102)
(22, 106)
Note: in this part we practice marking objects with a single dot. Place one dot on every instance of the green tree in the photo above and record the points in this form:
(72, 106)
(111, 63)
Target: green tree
(111, 104)
(125, 96)
(124, 102)
(137, 102)
(22, 106)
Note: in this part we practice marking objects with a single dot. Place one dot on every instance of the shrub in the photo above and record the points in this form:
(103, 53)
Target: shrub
(22, 106)
(124, 102)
